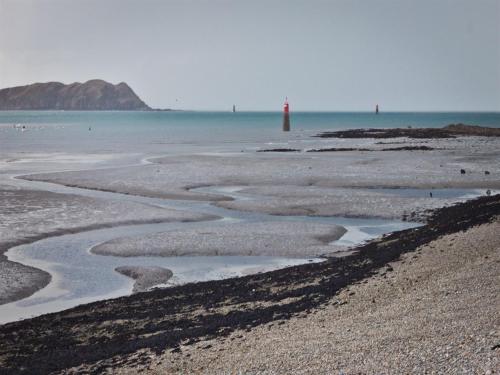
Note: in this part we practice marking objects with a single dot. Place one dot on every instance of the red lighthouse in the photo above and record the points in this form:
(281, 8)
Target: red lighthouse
(286, 116)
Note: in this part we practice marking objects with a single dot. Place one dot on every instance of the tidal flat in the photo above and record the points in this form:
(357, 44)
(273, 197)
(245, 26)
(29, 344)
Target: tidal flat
(369, 185)
(154, 221)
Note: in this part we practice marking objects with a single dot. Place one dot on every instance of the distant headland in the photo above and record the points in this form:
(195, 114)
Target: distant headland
(93, 95)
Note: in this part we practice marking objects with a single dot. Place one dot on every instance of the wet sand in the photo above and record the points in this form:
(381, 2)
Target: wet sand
(285, 239)
(313, 184)
(346, 202)
(145, 277)
(31, 215)
(302, 172)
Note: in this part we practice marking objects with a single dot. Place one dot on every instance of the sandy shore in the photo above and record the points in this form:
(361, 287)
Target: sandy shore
(418, 300)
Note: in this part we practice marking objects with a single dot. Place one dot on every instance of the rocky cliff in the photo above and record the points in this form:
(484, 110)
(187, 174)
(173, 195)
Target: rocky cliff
(91, 95)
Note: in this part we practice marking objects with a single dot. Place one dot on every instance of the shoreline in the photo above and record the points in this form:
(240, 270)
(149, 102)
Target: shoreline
(213, 309)
(434, 310)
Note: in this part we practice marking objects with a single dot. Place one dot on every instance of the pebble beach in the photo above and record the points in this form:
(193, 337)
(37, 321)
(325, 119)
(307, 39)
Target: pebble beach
(436, 310)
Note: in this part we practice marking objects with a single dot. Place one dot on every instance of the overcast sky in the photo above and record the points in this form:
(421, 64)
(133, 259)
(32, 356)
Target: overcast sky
(324, 55)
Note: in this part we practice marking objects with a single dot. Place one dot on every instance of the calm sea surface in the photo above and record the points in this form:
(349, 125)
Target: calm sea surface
(60, 131)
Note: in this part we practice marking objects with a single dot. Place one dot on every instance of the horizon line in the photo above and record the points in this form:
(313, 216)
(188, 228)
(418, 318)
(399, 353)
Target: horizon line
(166, 110)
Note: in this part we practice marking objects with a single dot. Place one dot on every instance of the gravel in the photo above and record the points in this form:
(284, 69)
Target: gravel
(437, 310)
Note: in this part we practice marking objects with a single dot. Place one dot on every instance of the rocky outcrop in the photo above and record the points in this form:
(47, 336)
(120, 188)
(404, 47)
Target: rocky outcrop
(91, 95)
(449, 131)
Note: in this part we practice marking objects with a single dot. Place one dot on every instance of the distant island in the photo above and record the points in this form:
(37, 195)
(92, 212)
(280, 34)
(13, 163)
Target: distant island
(93, 95)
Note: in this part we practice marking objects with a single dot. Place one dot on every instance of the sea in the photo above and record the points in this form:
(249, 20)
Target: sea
(185, 131)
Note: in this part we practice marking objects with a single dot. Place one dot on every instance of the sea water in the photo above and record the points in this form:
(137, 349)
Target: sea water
(158, 132)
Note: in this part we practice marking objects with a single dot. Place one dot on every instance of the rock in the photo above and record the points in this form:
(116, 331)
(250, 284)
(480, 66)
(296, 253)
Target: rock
(279, 150)
(340, 149)
(450, 131)
(337, 149)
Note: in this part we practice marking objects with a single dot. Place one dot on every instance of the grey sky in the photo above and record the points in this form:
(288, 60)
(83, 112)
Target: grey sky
(325, 55)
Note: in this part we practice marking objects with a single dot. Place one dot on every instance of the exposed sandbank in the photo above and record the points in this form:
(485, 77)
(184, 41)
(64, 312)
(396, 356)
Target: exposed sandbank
(288, 239)
(344, 202)
(145, 277)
